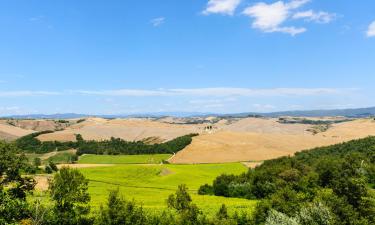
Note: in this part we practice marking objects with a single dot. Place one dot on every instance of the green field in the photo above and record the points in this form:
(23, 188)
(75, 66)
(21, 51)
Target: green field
(58, 157)
(150, 185)
(123, 159)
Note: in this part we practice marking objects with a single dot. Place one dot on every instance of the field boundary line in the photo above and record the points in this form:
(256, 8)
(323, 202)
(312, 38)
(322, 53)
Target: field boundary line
(133, 186)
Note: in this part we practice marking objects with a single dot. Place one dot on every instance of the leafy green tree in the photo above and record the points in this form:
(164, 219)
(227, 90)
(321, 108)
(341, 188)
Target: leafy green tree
(120, 212)
(48, 169)
(315, 214)
(221, 184)
(53, 166)
(278, 218)
(68, 190)
(13, 186)
(223, 212)
(37, 162)
(181, 200)
(182, 203)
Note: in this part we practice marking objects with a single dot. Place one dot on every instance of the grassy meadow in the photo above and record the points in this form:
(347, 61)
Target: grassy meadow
(150, 185)
(123, 159)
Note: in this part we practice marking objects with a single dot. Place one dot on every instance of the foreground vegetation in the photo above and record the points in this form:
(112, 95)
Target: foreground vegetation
(335, 183)
(70, 194)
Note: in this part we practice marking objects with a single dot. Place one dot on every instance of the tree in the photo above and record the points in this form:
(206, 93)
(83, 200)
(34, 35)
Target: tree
(68, 190)
(181, 200)
(223, 212)
(221, 185)
(13, 186)
(315, 214)
(37, 162)
(278, 218)
(120, 212)
(182, 203)
(53, 166)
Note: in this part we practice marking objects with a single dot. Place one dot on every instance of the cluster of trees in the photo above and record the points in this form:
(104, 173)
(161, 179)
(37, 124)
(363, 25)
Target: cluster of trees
(310, 122)
(117, 146)
(336, 181)
(114, 146)
(31, 144)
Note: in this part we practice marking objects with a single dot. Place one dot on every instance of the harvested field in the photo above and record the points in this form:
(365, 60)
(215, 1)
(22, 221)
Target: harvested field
(127, 129)
(38, 125)
(9, 132)
(230, 146)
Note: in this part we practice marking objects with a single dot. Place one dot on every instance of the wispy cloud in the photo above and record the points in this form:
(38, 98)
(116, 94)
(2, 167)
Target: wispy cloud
(27, 93)
(371, 30)
(218, 92)
(229, 94)
(226, 7)
(318, 17)
(124, 92)
(156, 22)
(36, 18)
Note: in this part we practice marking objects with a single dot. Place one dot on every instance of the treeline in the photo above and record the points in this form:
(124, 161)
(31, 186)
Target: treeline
(31, 144)
(310, 122)
(338, 179)
(114, 146)
(117, 146)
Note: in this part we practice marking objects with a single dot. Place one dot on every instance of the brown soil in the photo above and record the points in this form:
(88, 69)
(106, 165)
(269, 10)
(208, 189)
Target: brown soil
(42, 182)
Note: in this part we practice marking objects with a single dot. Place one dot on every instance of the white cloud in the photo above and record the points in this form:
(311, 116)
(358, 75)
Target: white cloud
(229, 94)
(270, 17)
(124, 92)
(156, 22)
(319, 17)
(221, 7)
(27, 93)
(371, 30)
(218, 92)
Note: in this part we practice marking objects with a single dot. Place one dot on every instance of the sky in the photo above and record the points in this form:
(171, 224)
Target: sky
(216, 56)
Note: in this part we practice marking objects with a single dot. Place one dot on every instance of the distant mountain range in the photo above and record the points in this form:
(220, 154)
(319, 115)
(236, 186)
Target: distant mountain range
(361, 112)
(353, 113)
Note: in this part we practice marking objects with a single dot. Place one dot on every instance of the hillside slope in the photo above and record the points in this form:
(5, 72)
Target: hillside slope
(241, 142)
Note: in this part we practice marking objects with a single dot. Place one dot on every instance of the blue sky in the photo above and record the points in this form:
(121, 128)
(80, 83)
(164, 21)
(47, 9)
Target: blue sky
(132, 56)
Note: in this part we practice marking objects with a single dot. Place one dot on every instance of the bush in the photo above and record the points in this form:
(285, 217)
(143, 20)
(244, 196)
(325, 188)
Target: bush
(206, 190)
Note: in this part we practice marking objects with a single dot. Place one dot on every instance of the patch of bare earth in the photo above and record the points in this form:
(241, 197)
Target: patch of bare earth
(42, 182)
(252, 165)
